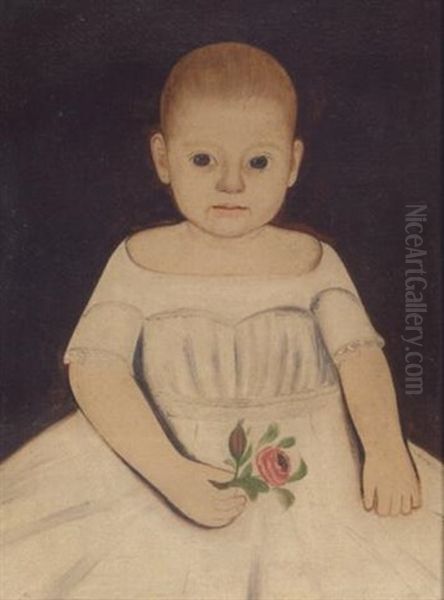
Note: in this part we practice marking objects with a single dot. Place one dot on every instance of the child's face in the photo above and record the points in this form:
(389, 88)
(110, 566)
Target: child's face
(229, 163)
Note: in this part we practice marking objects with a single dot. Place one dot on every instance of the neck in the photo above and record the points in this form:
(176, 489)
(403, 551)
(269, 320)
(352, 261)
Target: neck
(221, 242)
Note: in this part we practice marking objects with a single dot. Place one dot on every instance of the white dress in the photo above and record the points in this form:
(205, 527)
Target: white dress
(79, 524)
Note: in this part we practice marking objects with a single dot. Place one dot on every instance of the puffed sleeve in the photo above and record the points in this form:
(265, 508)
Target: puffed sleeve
(112, 320)
(338, 309)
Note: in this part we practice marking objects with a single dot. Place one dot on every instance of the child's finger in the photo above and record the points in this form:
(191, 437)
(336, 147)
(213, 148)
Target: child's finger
(406, 504)
(230, 493)
(236, 502)
(235, 495)
(221, 476)
(416, 498)
(383, 503)
(369, 497)
(239, 494)
(395, 507)
(226, 517)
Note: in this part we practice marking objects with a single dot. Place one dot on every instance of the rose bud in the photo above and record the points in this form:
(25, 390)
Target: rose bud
(274, 465)
(237, 441)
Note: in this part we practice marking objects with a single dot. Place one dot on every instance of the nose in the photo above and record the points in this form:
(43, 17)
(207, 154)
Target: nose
(230, 181)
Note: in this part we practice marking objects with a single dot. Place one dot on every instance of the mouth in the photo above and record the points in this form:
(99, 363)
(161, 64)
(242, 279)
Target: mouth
(229, 208)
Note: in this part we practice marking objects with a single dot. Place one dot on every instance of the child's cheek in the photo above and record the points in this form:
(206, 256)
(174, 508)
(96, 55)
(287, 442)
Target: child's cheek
(191, 194)
(271, 188)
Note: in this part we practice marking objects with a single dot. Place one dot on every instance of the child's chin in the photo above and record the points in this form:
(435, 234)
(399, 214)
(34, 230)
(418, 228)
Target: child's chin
(229, 229)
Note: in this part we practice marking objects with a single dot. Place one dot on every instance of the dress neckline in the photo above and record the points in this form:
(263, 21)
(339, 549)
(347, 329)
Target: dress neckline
(225, 277)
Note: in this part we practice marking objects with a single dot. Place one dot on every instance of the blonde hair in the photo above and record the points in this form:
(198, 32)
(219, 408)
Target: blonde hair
(228, 70)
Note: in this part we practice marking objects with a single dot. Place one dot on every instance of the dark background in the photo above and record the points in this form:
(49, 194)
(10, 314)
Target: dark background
(79, 87)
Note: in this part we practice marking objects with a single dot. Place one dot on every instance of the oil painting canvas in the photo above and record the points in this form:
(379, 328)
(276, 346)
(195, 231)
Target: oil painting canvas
(222, 302)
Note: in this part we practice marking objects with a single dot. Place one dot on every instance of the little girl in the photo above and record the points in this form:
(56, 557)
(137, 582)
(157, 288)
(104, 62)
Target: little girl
(218, 367)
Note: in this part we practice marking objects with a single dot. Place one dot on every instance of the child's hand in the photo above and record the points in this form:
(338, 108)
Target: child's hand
(201, 501)
(390, 484)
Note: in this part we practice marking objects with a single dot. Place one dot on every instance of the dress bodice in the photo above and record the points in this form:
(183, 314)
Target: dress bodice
(205, 342)
(205, 359)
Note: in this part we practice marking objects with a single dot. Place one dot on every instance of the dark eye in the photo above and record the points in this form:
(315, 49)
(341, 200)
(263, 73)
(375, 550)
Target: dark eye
(259, 162)
(201, 160)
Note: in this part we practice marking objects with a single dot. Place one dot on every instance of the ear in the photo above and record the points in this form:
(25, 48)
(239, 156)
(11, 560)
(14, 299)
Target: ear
(160, 157)
(297, 154)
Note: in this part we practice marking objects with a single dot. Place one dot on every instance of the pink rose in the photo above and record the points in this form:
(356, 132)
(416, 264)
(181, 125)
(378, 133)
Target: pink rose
(274, 465)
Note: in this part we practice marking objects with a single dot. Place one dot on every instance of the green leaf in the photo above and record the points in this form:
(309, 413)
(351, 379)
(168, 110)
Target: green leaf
(246, 456)
(252, 486)
(230, 462)
(286, 498)
(287, 442)
(252, 492)
(260, 484)
(246, 472)
(299, 473)
(270, 435)
(246, 484)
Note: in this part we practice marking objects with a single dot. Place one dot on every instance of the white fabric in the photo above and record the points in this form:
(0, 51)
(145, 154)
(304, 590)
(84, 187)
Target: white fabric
(343, 323)
(109, 328)
(327, 293)
(78, 524)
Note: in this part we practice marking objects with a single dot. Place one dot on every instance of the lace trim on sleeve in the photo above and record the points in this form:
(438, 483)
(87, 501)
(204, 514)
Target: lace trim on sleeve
(341, 354)
(97, 355)
(106, 331)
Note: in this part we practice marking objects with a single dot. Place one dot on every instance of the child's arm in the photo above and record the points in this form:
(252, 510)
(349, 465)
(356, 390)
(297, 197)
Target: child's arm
(112, 401)
(390, 483)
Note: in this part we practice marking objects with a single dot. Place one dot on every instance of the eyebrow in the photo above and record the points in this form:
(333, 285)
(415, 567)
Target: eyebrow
(198, 143)
(264, 144)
